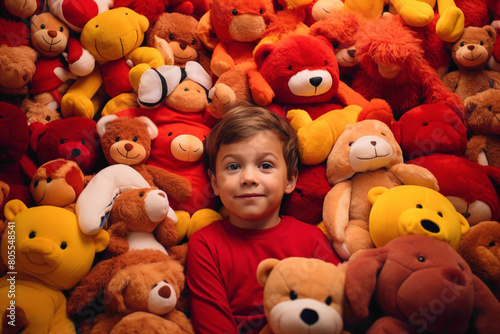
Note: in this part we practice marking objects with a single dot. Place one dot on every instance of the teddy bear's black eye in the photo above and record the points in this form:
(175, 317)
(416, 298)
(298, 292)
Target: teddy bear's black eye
(293, 295)
(97, 26)
(421, 259)
(261, 11)
(47, 118)
(62, 141)
(141, 195)
(42, 26)
(490, 108)
(440, 214)
(117, 139)
(328, 300)
(32, 234)
(193, 42)
(170, 133)
(49, 179)
(419, 206)
(171, 37)
(425, 124)
(186, 89)
(491, 244)
(204, 136)
(61, 29)
(83, 143)
(462, 44)
(235, 12)
(290, 67)
(383, 134)
(35, 184)
(64, 245)
(135, 139)
(335, 44)
(326, 63)
(350, 144)
(481, 43)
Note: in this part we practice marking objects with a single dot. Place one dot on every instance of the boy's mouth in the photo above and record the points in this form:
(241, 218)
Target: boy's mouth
(249, 195)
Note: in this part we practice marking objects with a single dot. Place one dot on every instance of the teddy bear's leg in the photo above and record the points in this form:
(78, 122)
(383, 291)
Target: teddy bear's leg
(144, 322)
(391, 325)
(120, 102)
(415, 13)
(222, 98)
(450, 25)
(77, 100)
(357, 236)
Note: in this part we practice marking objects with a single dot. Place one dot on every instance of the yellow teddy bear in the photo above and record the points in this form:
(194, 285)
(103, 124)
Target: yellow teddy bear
(114, 38)
(45, 253)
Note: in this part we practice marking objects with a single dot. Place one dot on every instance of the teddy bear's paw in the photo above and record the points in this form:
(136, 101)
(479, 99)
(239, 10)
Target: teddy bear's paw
(120, 102)
(298, 118)
(202, 218)
(262, 96)
(135, 74)
(76, 105)
(357, 236)
(315, 142)
(416, 13)
(450, 25)
(219, 67)
(182, 224)
(222, 98)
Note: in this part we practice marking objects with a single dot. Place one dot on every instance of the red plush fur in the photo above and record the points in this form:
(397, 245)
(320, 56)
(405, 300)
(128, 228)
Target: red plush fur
(387, 41)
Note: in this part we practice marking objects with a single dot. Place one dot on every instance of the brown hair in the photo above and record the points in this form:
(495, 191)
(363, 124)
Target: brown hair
(244, 121)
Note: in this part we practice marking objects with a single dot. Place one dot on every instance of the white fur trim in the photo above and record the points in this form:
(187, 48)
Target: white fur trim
(103, 123)
(197, 73)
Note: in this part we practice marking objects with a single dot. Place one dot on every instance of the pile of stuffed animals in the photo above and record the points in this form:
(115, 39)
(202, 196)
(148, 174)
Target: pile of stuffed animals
(104, 109)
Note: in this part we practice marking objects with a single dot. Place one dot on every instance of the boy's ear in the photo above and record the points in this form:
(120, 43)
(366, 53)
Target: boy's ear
(292, 182)
(213, 182)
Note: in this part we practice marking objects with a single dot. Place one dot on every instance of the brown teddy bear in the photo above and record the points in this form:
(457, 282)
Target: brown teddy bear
(311, 302)
(471, 53)
(480, 247)
(143, 283)
(364, 156)
(480, 112)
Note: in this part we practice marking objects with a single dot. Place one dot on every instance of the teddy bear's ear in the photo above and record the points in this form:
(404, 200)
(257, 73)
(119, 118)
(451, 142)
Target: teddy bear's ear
(13, 208)
(116, 287)
(152, 129)
(101, 240)
(375, 193)
(263, 51)
(206, 32)
(38, 130)
(470, 104)
(491, 32)
(264, 270)
(103, 123)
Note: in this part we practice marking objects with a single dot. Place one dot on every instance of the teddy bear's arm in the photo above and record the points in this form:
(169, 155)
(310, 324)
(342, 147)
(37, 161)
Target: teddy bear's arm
(176, 186)
(415, 13)
(475, 150)
(494, 78)
(221, 60)
(166, 233)
(450, 24)
(415, 175)
(78, 99)
(118, 243)
(451, 79)
(181, 320)
(262, 92)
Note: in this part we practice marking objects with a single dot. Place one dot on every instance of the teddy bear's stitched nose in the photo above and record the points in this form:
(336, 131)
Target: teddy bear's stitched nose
(351, 53)
(165, 292)
(183, 46)
(309, 316)
(129, 147)
(316, 81)
(52, 33)
(374, 143)
(470, 47)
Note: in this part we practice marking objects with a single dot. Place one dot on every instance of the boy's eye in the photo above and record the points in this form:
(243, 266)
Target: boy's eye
(266, 166)
(232, 167)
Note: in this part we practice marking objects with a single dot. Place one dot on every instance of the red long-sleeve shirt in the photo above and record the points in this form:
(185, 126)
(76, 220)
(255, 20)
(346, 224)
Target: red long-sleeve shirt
(225, 296)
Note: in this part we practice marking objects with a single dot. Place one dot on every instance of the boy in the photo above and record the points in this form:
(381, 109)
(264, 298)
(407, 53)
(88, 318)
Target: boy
(252, 162)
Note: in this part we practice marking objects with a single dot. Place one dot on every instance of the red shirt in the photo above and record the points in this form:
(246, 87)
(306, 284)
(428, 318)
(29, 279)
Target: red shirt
(225, 296)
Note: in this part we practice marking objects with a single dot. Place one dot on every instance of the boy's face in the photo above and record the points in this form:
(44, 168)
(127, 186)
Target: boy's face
(251, 178)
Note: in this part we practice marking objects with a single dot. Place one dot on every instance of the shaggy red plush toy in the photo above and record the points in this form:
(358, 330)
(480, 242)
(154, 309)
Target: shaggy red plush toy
(469, 186)
(393, 68)
(430, 128)
(73, 138)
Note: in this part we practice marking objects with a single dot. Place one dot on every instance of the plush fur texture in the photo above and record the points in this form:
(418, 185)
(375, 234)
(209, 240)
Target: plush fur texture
(346, 207)
(393, 68)
(470, 187)
(480, 247)
(471, 54)
(49, 35)
(430, 128)
(393, 276)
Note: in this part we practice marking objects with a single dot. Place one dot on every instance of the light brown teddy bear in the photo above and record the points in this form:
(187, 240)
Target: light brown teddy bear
(471, 53)
(302, 295)
(364, 156)
(481, 118)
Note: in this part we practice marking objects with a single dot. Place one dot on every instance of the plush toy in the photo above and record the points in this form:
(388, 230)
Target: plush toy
(409, 209)
(430, 128)
(58, 183)
(73, 138)
(145, 283)
(15, 9)
(76, 13)
(114, 38)
(469, 186)
(471, 53)
(393, 68)
(312, 302)
(480, 248)
(15, 165)
(44, 107)
(365, 155)
(49, 35)
(419, 284)
(127, 140)
(51, 256)
(175, 34)
(319, 10)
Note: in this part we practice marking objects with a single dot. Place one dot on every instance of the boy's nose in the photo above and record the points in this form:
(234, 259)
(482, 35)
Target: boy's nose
(248, 177)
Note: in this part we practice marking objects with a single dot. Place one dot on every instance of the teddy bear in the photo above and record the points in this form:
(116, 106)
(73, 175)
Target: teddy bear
(312, 302)
(393, 68)
(114, 38)
(319, 10)
(143, 282)
(418, 284)
(479, 247)
(19, 10)
(128, 140)
(51, 256)
(430, 128)
(58, 182)
(469, 186)
(73, 138)
(471, 53)
(409, 209)
(175, 33)
(365, 155)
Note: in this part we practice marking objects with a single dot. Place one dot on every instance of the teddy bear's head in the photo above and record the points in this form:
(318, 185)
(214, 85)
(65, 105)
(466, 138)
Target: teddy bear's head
(126, 140)
(20, 9)
(481, 110)
(58, 182)
(430, 128)
(474, 47)
(15, 134)
(188, 96)
(49, 35)
(480, 247)
(299, 69)
(42, 107)
(50, 247)
(363, 146)
(73, 138)
(310, 302)
(113, 34)
(17, 57)
(409, 209)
